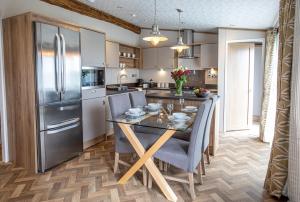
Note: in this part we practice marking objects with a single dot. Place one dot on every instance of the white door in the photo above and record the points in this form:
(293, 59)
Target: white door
(112, 54)
(239, 84)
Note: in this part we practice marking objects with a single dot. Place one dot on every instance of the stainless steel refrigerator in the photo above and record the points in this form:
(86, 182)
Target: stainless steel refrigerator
(58, 78)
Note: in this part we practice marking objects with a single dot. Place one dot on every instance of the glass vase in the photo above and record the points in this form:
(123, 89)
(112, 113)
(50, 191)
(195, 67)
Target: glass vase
(179, 85)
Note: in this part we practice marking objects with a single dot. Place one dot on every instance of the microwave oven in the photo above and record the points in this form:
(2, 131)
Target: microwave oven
(93, 77)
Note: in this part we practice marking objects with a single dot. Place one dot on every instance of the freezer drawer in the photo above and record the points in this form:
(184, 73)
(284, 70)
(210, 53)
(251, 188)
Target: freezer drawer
(59, 115)
(59, 145)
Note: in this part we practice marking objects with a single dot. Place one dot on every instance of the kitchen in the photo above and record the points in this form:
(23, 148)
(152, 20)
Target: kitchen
(59, 108)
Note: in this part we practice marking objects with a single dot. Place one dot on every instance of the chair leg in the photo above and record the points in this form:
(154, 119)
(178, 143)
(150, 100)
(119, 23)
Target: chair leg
(144, 176)
(116, 164)
(207, 155)
(149, 181)
(203, 165)
(200, 173)
(160, 165)
(192, 188)
(166, 167)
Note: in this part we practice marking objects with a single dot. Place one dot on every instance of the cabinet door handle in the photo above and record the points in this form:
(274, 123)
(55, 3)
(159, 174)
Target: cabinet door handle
(103, 102)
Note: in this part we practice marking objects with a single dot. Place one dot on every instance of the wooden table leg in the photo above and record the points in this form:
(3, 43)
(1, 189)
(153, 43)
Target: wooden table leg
(153, 170)
(154, 148)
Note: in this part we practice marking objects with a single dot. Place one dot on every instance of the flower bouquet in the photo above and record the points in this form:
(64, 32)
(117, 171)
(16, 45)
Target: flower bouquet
(180, 77)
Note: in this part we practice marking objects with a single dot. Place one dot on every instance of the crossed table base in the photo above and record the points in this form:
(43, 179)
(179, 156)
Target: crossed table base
(145, 159)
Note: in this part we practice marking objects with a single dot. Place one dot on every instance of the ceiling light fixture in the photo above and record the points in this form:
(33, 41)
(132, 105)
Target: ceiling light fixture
(155, 36)
(180, 46)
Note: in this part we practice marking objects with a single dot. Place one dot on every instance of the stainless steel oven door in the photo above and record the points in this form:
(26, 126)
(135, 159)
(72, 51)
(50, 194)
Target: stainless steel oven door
(93, 77)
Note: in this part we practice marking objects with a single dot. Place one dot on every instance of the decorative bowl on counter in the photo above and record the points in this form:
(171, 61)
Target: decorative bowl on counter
(201, 92)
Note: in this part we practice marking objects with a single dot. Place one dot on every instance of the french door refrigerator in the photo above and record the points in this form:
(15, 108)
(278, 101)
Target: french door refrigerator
(58, 79)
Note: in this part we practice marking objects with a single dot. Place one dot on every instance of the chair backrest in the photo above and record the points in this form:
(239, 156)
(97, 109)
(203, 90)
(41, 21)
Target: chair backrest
(118, 104)
(197, 135)
(138, 99)
(214, 99)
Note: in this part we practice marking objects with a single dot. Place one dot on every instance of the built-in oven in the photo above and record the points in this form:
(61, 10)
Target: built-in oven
(93, 77)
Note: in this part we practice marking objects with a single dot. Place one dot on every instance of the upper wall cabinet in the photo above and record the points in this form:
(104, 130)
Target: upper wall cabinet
(92, 48)
(159, 58)
(209, 55)
(112, 54)
(150, 58)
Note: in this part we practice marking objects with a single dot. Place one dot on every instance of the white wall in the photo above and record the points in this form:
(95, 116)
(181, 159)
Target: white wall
(258, 80)
(230, 36)
(113, 75)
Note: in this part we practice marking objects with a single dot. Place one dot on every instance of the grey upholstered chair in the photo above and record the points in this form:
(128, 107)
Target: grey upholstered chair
(138, 99)
(185, 155)
(186, 135)
(119, 104)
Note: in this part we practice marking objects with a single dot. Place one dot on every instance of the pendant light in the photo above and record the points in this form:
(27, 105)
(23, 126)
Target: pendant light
(155, 36)
(180, 46)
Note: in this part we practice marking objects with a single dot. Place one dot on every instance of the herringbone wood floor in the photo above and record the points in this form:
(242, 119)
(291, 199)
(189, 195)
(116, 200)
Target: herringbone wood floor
(235, 174)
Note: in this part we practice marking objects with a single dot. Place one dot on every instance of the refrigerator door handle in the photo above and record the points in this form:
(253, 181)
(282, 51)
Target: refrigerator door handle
(63, 123)
(63, 77)
(63, 129)
(57, 62)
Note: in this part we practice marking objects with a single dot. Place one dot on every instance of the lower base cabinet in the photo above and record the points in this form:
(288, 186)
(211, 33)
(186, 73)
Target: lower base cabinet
(93, 117)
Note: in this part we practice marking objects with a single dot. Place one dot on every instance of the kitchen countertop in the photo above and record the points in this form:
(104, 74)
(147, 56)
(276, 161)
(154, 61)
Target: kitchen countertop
(186, 96)
(115, 92)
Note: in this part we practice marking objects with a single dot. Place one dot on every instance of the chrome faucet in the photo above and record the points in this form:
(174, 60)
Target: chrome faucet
(121, 76)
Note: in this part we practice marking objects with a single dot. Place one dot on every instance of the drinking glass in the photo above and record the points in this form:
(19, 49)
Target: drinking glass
(170, 108)
(181, 102)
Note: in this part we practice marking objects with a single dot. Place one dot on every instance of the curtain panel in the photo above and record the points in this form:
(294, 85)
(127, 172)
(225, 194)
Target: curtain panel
(267, 122)
(277, 173)
(294, 142)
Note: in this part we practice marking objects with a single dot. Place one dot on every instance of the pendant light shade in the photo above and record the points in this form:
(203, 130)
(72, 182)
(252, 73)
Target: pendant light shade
(155, 36)
(180, 46)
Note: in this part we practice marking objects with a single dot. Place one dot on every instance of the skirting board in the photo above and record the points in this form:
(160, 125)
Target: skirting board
(94, 141)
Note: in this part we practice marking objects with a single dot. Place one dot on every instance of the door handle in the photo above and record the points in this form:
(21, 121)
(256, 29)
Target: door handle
(57, 62)
(63, 129)
(63, 69)
(64, 123)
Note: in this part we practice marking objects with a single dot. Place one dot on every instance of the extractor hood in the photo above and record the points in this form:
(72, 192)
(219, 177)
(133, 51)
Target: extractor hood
(188, 39)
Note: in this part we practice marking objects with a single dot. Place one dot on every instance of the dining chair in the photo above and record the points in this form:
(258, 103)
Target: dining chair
(205, 149)
(138, 99)
(119, 104)
(185, 155)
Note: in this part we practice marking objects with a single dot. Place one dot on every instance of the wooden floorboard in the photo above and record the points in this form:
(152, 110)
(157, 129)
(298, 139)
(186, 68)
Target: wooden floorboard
(236, 174)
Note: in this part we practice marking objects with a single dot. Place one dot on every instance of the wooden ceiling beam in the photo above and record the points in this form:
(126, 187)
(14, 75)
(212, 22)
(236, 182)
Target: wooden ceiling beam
(81, 8)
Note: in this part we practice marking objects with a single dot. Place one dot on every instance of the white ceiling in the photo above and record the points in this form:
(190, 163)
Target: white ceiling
(200, 15)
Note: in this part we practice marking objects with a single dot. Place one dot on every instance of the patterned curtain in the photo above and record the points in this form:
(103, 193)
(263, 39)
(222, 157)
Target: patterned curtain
(294, 143)
(268, 113)
(278, 165)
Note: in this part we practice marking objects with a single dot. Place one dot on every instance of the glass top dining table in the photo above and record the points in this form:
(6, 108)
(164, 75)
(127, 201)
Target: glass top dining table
(160, 119)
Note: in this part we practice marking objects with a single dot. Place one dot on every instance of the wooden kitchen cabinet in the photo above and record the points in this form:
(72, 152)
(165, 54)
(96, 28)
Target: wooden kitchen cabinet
(165, 57)
(112, 54)
(149, 58)
(94, 121)
(162, 57)
(209, 56)
(92, 48)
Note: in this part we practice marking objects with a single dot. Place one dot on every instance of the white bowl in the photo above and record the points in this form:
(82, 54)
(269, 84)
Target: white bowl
(134, 111)
(190, 107)
(179, 115)
(153, 106)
